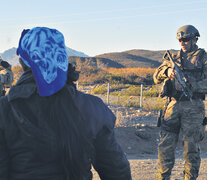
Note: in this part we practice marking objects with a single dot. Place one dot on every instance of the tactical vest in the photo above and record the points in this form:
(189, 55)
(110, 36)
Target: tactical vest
(192, 64)
(192, 67)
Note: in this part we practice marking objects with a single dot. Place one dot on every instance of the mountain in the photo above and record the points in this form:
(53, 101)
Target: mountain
(94, 62)
(131, 58)
(136, 58)
(10, 55)
(72, 52)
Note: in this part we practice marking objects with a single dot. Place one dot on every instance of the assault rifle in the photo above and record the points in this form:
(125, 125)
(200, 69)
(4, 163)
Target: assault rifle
(179, 77)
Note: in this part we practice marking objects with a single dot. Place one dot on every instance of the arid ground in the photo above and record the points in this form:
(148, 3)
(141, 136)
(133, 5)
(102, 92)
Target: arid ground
(138, 136)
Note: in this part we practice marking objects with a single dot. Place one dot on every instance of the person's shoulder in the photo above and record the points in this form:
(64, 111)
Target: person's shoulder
(202, 54)
(201, 49)
(93, 107)
(89, 99)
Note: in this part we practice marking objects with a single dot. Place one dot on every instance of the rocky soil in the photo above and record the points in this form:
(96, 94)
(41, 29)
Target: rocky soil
(138, 136)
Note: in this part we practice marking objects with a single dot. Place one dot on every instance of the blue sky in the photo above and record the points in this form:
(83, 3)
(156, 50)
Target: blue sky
(102, 26)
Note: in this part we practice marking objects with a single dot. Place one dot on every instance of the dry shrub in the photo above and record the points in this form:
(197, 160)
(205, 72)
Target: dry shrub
(100, 90)
(143, 72)
(17, 71)
(154, 104)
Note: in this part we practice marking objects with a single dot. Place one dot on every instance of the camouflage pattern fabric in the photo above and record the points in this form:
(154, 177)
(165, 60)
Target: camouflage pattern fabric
(6, 78)
(185, 116)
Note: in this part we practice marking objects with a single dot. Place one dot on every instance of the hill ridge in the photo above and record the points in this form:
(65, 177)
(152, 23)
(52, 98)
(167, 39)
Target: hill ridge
(129, 58)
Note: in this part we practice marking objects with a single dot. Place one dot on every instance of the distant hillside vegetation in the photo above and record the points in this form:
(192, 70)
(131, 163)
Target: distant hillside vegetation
(131, 58)
(136, 58)
(96, 62)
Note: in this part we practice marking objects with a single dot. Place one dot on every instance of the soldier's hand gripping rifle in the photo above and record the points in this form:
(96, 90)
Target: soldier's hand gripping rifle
(179, 77)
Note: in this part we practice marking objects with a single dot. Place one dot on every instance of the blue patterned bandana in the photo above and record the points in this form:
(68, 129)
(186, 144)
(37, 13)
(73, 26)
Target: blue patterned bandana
(43, 50)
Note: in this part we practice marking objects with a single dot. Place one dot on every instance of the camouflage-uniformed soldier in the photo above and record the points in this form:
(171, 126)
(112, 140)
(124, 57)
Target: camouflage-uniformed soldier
(6, 76)
(182, 114)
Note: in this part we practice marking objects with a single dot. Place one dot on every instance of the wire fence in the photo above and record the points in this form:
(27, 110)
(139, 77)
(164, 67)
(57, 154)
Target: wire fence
(124, 95)
(143, 97)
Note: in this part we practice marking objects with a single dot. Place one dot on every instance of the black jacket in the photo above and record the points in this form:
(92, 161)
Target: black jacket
(36, 157)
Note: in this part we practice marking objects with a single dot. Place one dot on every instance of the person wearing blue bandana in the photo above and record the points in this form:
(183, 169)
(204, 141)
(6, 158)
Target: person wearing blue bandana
(43, 50)
(48, 129)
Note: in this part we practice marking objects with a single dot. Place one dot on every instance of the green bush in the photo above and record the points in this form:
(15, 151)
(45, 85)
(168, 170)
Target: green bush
(118, 87)
(133, 104)
(100, 90)
(154, 105)
(152, 92)
(135, 91)
(115, 93)
(132, 91)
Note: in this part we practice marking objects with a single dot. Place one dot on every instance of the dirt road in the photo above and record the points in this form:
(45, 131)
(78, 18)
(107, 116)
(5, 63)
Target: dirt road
(146, 169)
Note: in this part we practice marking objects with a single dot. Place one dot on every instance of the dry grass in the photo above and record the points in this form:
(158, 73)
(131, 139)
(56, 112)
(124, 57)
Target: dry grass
(143, 72)
(18, 71)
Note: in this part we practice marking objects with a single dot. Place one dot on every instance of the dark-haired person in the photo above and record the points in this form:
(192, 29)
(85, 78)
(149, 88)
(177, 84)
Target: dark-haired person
(182, 113)
(48, 129)
(6, 76)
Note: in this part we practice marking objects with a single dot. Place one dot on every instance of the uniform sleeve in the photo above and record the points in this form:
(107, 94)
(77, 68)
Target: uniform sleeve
(160, 73)
(110, 161)
(201, 86)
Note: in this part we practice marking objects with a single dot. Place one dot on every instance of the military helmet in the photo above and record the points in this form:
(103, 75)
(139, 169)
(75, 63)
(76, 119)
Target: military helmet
(187, 31)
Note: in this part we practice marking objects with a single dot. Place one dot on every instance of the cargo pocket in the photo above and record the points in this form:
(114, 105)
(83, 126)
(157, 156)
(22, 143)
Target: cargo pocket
(199, 134)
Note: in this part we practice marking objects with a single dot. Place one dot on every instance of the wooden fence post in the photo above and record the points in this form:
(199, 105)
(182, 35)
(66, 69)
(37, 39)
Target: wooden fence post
(77, 85)
(108, 92)
(141, 96)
